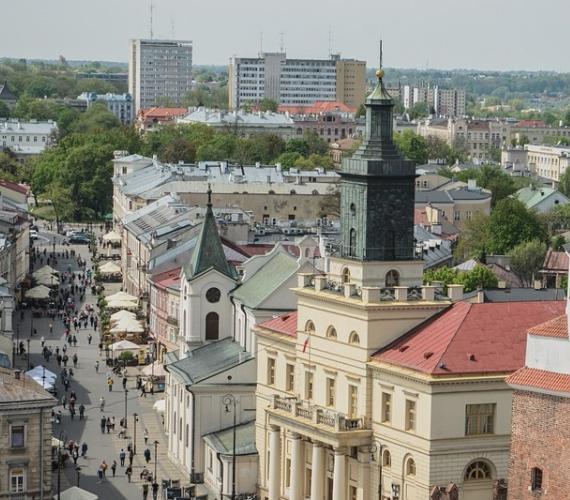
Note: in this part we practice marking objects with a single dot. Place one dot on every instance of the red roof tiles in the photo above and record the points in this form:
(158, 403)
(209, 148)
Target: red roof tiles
(470, 338)
(540, 379)
(531, 123)
(285, 324)
(167, 279)
(555, 261)
(557, 327)
(317, 108)
(15, 186)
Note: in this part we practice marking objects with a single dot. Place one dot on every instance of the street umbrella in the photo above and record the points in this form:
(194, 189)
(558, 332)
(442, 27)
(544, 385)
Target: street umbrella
(121, 296)
(40, 292)
(113, 237)
(119, 315)
(45, 270)
(125, 345)
(76, 493)
(110, 268)
(128, 325)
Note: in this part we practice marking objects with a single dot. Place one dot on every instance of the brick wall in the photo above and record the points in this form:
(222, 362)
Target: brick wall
(540, 438)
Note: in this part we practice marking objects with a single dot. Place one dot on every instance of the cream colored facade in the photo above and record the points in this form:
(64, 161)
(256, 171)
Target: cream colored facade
(351, 82)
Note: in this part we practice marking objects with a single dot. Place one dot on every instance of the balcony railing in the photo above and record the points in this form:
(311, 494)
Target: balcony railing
(333, 419)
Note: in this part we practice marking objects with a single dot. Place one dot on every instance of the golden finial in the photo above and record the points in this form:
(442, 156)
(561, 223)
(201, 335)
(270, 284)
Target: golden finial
(380, 74)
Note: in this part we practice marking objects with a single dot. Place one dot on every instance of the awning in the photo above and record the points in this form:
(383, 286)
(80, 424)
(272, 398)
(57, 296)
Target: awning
(110, 268)
(75, 493)
(122, 296)
(119, 315)
(158, 369)
(45, 270)
(40, 292)
(121, 304)
(42, 376)
(128, 325)
(125, 345)
(159, 406)
(46, 279)
(112, 236)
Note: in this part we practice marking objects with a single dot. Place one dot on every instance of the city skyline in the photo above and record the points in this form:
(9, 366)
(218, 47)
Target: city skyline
(413, 39)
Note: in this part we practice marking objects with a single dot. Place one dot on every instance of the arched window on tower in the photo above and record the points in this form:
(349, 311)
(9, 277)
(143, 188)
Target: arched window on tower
(392, 278)
(352, 243)
(212, 326)
(478, 470)
(346, 275)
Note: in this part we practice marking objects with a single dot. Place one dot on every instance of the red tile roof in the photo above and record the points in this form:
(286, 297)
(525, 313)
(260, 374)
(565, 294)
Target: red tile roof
(557, 327)
(257, 248)
(14, 186)
(167, 279)
(317, 108)
(555, 261)
(531, 123)
(163, 113)
(471, 338)
(285, 324)
(540, 379)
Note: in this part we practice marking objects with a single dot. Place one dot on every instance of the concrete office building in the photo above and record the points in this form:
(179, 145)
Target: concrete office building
(121, 105)
(295, 81)
(159, 70)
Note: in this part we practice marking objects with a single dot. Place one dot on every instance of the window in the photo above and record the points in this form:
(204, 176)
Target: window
(392, 278)
(331, 332)
(308, 483)
(310, 327)
(213, 295)
(410, 467)
(212, 326)
(352, 401)
(479, 419)
(288, 473)
(290, 378)
(468, 214)
(17, 480)
(270, 371)
(331, 391)
(456, 215)
(352, 493)
(386, 407)
(346, 275)
(353, 338)
(352, 243)
(17, 436)
(410, 415)
(308, 385)
(210, 460)
(386, 459)
(478, 470)
(536, 479)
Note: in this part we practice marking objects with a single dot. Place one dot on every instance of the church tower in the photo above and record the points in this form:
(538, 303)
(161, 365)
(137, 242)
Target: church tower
(377, 205)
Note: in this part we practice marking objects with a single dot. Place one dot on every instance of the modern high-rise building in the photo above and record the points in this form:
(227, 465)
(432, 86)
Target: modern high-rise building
(160, 72)
(296, 81)
(445, 102)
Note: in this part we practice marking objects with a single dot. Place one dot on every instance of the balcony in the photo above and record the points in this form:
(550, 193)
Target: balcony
(331, 420)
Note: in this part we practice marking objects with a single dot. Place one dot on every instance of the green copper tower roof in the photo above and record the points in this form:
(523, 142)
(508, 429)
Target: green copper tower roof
(209, 252)
(379, 93)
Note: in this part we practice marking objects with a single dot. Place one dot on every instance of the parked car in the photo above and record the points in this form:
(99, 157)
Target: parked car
(79, 239)
(33, 234)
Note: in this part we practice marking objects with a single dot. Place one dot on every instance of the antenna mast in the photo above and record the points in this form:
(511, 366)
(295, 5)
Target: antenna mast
(151, 31)
(282, 42)
(380, 61)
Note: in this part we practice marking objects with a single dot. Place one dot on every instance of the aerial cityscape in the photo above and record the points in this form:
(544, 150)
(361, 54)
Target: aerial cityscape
(258, 251)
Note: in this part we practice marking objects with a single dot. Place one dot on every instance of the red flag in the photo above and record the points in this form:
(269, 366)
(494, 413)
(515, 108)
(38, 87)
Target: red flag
(305, 345)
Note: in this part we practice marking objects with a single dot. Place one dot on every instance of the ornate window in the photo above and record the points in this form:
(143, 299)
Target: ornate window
(331, 332)
(386, 458)
(346, 275)
(310, 327)
(410, 467)
(17, 480)
(354, 338)
(478, 470)
(392, 278)
(213, 295)
(212, 326)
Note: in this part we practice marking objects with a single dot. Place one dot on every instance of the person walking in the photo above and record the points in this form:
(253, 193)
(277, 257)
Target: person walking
(154, 489)
(108, 424)
(81, 411)
(75, 456)
(63, 401)
(131, 456)
(122, 456)
(75, 359)
(97, 366)
(105, 466)
(145, 491)
(84, 449)
(145, 436)
(100, 474)
(102, 403)
(43, 341)
(72, 412)
(114, 467)
(110, 383)
(147, 455)
(129, 472)
(103, 424)
(89, 338)
(124, 382)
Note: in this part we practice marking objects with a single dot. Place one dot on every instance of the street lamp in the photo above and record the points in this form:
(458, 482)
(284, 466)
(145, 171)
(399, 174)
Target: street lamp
(62, 439)
(126, 393)
(78, 470)
(229, 399)
(135, 420)
(155, 459)
(28, 353)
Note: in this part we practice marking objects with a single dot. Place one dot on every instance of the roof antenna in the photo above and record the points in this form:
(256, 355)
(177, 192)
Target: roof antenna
(330, 41)
(260, 42)
(282, 42)
(151, 31)
(172, 27)
(380, 61)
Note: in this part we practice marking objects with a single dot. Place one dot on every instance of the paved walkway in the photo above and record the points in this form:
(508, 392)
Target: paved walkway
(90, 386)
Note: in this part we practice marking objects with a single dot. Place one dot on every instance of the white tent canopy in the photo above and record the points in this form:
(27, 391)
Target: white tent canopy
(110, 268)
(112, 236)
(160, 406)
(42, 376)
(45, 270)
(122, 296)
(158, 370)
(46, 279)
(125, 345)
(38, 292)
(121, 304)
(75, 493)
(128, 325)
(119, 315)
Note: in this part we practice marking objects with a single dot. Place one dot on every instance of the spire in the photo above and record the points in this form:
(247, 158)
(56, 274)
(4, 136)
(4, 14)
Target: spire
(209, 251)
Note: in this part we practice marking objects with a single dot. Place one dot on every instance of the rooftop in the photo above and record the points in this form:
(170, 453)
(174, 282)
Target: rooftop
(555, 261)
(319, 107)
(531, 196)
(557, 328)
(25, 389)
(286, 324)
(222, 441)
(28, 127)
(237, 118)
(470, 338)
(542, 380)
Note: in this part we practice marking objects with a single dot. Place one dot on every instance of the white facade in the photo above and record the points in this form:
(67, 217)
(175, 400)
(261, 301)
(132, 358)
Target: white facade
(159, 70)
(26, 138)
(121, 105)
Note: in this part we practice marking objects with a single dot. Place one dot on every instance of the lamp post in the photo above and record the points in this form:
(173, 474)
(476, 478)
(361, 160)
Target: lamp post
(28, 353)
(78, 471)
(229, 399)
(155, 459)
(135, 420)
(62, 438)
(126, 393)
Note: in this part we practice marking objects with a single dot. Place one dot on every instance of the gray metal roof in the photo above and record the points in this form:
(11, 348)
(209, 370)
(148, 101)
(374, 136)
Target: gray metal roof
(222, 441)
(232, 118)
(208, 360)
(524, 294)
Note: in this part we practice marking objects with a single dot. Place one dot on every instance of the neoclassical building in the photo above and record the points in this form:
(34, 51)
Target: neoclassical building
(377, 386)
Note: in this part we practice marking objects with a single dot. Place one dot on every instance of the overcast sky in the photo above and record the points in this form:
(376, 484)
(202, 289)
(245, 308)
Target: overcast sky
(482, 34)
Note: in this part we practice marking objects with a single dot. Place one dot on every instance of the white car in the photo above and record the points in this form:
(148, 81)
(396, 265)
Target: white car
(33, 234)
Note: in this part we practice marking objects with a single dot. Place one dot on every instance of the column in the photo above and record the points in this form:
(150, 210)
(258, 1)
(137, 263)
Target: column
(318, 472)
(274, 486)
(297, 467)
(339, 476)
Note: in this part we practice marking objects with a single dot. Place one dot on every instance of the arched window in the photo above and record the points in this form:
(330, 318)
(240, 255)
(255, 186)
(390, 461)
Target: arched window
(352, 209)
(410, 467)
(536, 479)
(392, 278)
(478, 470)
(331, 332)
(354, 338)
(310, 327)
(307, 252)
(212, 326)
(292, 191)
(352, 243)
(315, 192)
(346, 275)
(386, 458)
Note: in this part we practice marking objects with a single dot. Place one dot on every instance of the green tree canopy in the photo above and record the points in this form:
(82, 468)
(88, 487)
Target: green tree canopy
(527, 259)
(267, 104)
(478, 277)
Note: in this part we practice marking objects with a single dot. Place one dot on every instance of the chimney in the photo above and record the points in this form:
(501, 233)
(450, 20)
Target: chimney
(471, 184)
(455, 292)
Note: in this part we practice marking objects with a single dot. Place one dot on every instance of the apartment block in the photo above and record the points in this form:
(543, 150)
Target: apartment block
(445, 102)
(295, 81)
(160, 71)
(121, 105)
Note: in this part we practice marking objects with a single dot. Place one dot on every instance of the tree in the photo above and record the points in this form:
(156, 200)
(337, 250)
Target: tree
(446, 275)
(473, 238)
(330, 203)
(527, 259)
(288, 159)
(478, 277)
(558, 243)
(413, 146)
(510, 224)
(564, 185)
(4, 110)
(267, 104)
(180, 149)
(361, 111)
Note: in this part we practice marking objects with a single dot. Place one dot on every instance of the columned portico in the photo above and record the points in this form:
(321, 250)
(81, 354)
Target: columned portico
(318, 472)
(297, 467)
(274, 462)
(339, 475)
